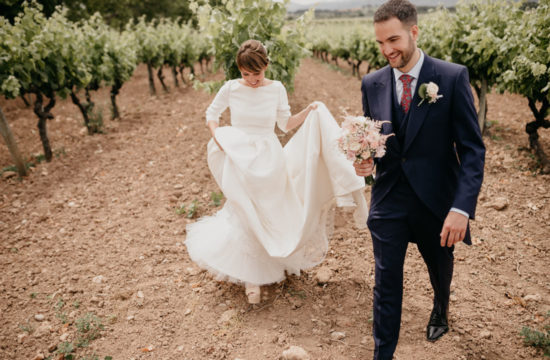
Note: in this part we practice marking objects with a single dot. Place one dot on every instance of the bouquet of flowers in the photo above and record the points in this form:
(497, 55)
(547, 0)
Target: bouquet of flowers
(361, 140)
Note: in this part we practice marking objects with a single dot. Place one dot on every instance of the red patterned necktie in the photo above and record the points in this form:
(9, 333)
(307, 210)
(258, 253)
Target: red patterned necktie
(406, 97)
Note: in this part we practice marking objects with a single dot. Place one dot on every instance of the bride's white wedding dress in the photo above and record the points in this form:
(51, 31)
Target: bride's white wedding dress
(278, 199)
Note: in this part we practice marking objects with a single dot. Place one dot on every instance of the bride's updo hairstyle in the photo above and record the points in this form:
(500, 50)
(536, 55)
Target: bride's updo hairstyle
(252, 56)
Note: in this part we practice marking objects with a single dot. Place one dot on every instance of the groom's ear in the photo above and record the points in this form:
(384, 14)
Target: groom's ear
(414, 32)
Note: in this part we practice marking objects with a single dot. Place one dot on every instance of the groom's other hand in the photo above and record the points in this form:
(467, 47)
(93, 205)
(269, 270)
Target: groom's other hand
(364, 168)
(454, 229)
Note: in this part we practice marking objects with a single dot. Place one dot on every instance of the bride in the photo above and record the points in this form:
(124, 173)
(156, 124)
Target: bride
(278, 199)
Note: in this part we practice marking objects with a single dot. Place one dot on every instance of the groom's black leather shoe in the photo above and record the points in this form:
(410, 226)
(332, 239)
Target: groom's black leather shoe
(438, 325)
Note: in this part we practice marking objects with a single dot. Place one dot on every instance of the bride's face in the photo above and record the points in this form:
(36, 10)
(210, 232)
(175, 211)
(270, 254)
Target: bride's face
(253, 79)
(397, 42)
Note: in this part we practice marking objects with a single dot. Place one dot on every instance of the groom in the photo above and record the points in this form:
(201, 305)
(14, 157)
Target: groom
(427, 184)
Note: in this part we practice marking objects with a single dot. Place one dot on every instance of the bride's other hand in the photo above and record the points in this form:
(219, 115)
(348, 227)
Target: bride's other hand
(217, 143)
(312, 106)
(299, 118)
(364, 168)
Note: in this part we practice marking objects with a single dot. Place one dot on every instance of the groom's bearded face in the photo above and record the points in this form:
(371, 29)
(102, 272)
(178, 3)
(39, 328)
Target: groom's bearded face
(397, 42)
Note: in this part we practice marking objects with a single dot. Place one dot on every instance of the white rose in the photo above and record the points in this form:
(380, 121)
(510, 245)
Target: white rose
(432, 90)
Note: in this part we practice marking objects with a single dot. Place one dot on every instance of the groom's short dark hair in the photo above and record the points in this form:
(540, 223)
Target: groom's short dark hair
(403, 10)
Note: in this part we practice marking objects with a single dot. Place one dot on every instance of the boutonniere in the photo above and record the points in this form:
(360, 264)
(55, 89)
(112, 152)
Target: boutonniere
(429, 92)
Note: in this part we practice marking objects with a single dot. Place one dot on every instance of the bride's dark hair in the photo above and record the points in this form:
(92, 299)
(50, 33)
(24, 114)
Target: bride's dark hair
(252, 56)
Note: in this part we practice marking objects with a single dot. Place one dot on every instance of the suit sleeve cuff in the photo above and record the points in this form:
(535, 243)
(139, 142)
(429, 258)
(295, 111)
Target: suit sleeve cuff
(461, 212)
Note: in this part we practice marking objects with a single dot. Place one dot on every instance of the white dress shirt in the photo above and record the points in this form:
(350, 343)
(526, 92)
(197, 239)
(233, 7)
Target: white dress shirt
(414, 73)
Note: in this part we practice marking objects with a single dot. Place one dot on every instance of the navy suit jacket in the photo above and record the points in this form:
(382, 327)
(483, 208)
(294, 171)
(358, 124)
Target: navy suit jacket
(442, 155)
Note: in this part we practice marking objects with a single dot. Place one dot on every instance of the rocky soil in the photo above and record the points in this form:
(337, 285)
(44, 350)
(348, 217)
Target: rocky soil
(91, 252)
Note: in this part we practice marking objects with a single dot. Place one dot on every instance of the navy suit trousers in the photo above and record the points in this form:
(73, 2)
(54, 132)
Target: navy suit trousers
(398, 219)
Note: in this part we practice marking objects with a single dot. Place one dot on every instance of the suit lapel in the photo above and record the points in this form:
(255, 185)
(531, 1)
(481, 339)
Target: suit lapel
(382, 105)
(418, 114)
(381, 95)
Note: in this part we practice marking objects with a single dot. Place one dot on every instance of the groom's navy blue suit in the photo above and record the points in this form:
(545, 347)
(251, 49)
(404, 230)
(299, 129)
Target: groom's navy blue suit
(432, 164)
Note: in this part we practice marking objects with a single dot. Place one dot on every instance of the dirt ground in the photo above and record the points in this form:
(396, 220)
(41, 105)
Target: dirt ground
(97, 231)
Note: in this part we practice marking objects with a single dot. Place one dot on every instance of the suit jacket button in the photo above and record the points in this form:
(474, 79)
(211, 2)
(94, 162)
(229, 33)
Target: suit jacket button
(403, 160)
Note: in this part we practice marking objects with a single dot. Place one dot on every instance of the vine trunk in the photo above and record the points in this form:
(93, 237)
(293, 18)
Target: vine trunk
(44, 114)
(532, 130)
(6, 133)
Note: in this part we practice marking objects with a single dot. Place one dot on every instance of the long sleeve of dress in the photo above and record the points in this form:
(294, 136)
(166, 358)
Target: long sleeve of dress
(283, 110)
(219, 104)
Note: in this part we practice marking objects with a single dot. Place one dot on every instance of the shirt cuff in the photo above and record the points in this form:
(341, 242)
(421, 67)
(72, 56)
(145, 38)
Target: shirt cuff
(461, 212)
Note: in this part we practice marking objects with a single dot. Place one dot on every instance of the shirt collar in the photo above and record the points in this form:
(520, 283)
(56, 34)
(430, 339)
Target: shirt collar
(415, 71)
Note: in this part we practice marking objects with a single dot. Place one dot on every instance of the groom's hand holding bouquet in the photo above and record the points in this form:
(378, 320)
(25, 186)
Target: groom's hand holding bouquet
(361, 141)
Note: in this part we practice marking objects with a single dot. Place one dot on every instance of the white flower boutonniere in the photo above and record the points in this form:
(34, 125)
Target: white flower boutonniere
(429, 92)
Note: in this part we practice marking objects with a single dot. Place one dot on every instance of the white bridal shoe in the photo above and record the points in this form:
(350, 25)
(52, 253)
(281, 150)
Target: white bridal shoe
(253, 293)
